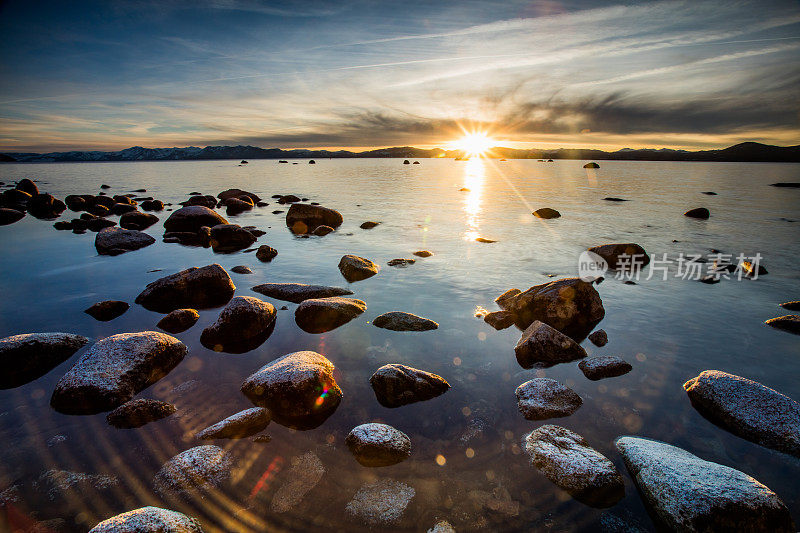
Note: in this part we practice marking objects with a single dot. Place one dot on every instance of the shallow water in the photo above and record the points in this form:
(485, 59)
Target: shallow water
(670, 330)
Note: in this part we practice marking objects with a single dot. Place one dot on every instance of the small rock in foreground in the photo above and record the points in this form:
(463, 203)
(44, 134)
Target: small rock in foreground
(265, 253)
(599, 337)
(195, 470)
(546, 346)
(368, 225)
(197, 288)
(543, 398)
(243, 325)
(147, 520)
(138, 412)
(378, 444)
(607, 366)
(319, 315)
(241, 269)
(401, 321)
(179, 320)
(355, 268)
(107, 310)
(397, 385)
(29, 356)
(242, 424)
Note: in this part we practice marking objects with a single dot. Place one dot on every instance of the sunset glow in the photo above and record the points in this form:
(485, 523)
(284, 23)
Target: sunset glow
(474, 144)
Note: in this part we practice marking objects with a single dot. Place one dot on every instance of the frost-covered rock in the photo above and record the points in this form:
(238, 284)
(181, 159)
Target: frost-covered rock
(148, 520)
(380, 502)
(378, 444)
(543, 398)
(138, 412)
(242, 424)
(397, 385)
(543, 345)
(196, 288)
(297, 292)
(244, 324)
(194, 470)
(402, 321)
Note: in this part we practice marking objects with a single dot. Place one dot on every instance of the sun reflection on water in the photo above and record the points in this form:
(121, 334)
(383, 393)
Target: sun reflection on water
(474, 177)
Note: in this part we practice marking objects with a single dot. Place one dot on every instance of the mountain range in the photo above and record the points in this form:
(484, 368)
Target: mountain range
(747, 151)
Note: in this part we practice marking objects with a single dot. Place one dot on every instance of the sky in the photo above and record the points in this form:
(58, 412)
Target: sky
(357, 74)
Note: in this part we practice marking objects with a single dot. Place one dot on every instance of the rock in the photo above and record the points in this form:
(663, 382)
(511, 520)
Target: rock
(297, 292)
(99, 224)
(321, 231)
(378, 445)
(406, 162)
(121, 209)
(570, 305)
(227, 238)
(423, 253)
(748, 409)
(15, 199)
(304, 218)
(318, 315)
(312, 162)
(9, 216)
(543, 398)
(236, 193)
(107, 310)
(114, 370)
(686, 493)
(380, 502)
(197, 469)
(709, 193)
(611, 254)
(115, 241)
(152, 205)
(614, 199)
(288, 199)
(67, 485)
(401, 321)
(567, 460)
(505, 299)
(791, 306)
(298, 388)
(139, 412)
(591, 165)
(368, 225)
(397, 385)
(599, 337)
(749, 269)
(241, 269)
(697, 212)
(45, 206)
(202, 201)
(305, 473)
(29, 356)
(137, 220)
(266, 253)
(484, 240)
(149, 519)
(192, 218)
(543, 345)
(499, 319)
(200, 288)
(607, 366)
(262, 438)
(242, 424)
(27, 186)
(546, 212)
(178, 320)
(234, 206)
(401, 262)
(788, 184)
(243, 325)
(355, 268)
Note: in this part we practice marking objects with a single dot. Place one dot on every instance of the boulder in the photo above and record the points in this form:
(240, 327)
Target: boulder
(297, 292)
(607, 366)
(149, 519)
(321, 231)
(599, 337)
(152, 205)
(750, 269)
(288, 199)
(121, 209)
(380, 502)
(178, 320)
(686, 493)
(265, 253)
(504, 300)
(318, 315)
(355, 268)
(748, 409)
(304, 218)
(591, 165)
(99, 224)
(201, 200)
(192, 218)
(614, 199)
(138, 412)
(378, 444)
(197, 469)
(543, 345)
(241, 269)
(499, 319)
(27, 186)
(298, 388)
(567, 460)
(234, 206)
(790, 323)
(423, 253)
(791, 306)
(401, 321)
(236, 193)
(45, 206)
(243, 424)
(368, 225)
(787, 184)
(114, 370)
(396, 385)
(244, 324)
(107, 310)
(197, 288)
(15, 198)
(137, 220)
(543, 398)
(570, 305)
(29, 356)
(698, 212)
(630, 251)
(546, 212)
(402, 263)
(9, 216)
(115, 241)
(227, 238)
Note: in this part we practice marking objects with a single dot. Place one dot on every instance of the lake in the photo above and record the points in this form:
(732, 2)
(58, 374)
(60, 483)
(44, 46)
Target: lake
(467, 464)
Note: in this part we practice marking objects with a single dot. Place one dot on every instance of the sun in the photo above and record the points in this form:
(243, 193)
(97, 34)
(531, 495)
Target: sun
(474, 144)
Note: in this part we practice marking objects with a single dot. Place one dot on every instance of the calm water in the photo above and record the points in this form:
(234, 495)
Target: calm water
(669, 330)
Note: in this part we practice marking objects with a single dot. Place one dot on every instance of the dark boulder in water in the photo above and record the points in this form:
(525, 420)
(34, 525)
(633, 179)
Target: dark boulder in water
(137, 220)
(227, 238)
(543, 345)
(787, 184)
(599, 337)
(791, 306)
(138, 412)
(402, 321)
(499, 319)
(546, 212)
(236, 193)
(27, 186)
(179, 320)
(614, 199)
(368, 225)
(201, 200)
(543, 398)
(46, 206)
(121, 209)
(265, 253)
(152, 205)
(243, 325)
(304, 218)
(396, 385)
(591, 165)
(631, 253)
(790, 323)
(241, 425)
(196, 288)
(99, 224)
(355, 268)
(319, 315)
(297, 292)
(698, 212)
(321, 231)
(235, 206)
(607, 366)
(115, 241)
(107, 310)
(378, 445)
(192, 218)
(29, 356)
(288, 199)
(9, 216)
(400, 262)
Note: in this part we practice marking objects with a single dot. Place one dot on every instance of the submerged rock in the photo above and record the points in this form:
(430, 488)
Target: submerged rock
(319, 315)
(543, 398)
(244, 324)
(179, 320)
(297, 292)
(137, 220)
(546, 212)
(697, 212)
(305, 473)
(380, 502)
(378, 444)
(29, 356)
(622, 255)
(355, 268)
(607, 366)
(191, 218)
(107, 310)
(401, 321)
(200, 288)
(546, 346)
(748, 409)
(499, 319)
(242, 424)
(686, 493)
(304, 218)
(297, 388)
(115, 241)
(114, 370)
(138, 412)
(195, 470)
(266, 253)
(599, 337)
(147, 520)
(396, 385)
(568, 461)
